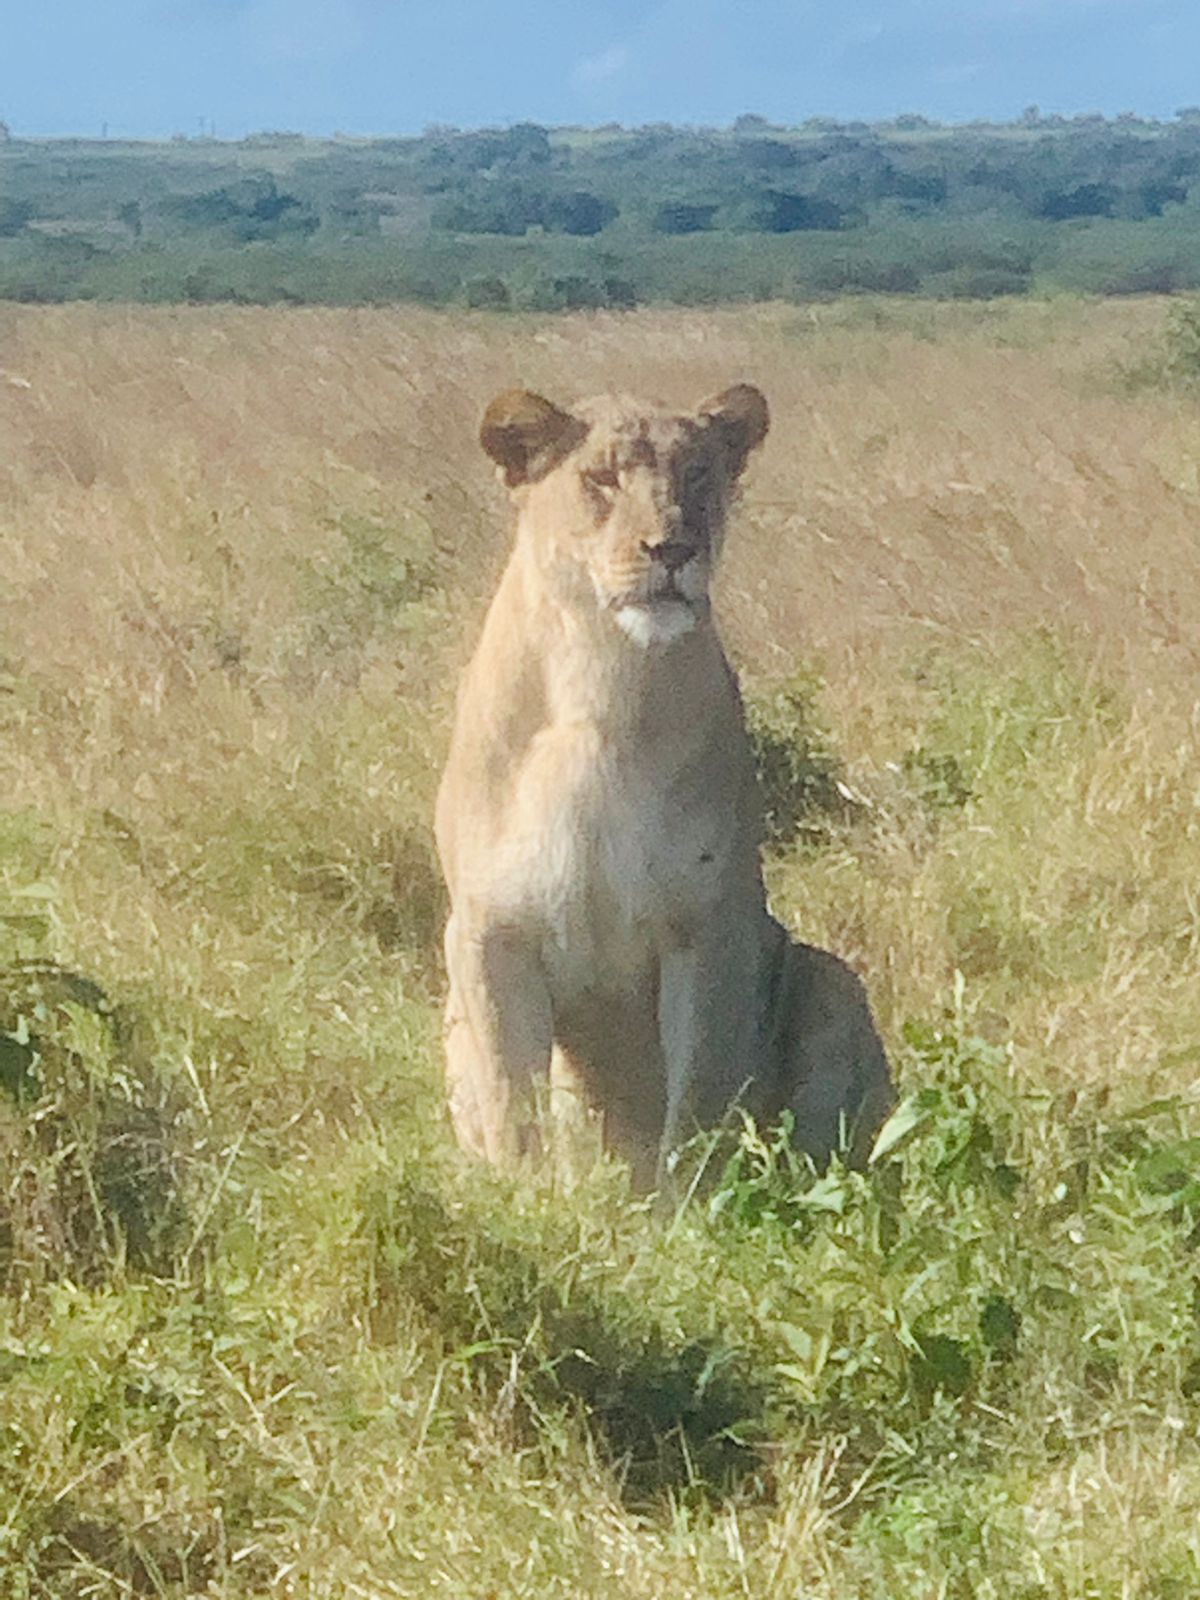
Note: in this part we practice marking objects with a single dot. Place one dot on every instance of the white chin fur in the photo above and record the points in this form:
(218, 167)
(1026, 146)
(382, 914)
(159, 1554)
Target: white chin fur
(656, 624)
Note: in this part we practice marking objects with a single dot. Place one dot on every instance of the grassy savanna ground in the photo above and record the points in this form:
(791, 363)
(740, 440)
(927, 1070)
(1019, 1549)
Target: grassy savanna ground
(261, 1331)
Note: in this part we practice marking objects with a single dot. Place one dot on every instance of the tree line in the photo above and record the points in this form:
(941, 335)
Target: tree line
(530, 217)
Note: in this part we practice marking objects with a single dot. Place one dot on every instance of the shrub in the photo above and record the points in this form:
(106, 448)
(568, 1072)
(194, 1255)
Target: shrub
(487, 293)
(578, 213)
(1181, 345)
(90, 1143)
(797, 768)
(680, 216)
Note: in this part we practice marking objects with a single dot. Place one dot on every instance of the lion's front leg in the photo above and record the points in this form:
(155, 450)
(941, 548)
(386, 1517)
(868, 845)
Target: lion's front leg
(498, 1038)
(707, 1026)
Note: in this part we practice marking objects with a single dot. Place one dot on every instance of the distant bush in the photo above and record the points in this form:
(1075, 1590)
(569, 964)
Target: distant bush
(859, 275)
(252, 209)
(509, 208)
(270, 136)
(14, 214)
(1087, 200)
(524, 145)
(979, 283)
(513, 208)
(620, 293)
(776, 211)
(487, 293)
(577, 212)
(568, 292)
(1158, 277)
(678, 216)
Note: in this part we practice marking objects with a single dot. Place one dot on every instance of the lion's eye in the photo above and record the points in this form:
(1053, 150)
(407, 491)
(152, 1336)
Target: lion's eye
(605, 479)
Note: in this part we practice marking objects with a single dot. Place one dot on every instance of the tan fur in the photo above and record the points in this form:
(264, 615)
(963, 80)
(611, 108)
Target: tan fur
(599, 819)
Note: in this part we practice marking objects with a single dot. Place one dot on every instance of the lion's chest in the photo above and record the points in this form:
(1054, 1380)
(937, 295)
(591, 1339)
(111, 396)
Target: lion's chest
(616, 867)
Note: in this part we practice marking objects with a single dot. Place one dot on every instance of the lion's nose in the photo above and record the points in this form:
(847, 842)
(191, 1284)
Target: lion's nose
(670, 553)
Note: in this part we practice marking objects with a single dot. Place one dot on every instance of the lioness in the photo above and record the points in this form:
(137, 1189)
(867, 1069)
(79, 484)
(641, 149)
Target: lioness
(599, 817)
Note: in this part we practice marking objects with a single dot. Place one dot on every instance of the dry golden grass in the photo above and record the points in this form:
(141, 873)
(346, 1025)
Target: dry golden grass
(936, 481)
(922, 481)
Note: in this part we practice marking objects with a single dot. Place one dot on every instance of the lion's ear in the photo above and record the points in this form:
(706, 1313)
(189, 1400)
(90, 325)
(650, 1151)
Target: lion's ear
(741, 419)
(526, 435)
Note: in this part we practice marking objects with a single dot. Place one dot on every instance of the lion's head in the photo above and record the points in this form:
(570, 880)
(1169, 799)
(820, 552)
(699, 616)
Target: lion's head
(626, 504)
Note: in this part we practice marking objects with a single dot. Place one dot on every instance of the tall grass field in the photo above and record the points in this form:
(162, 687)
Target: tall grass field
(263, 1332)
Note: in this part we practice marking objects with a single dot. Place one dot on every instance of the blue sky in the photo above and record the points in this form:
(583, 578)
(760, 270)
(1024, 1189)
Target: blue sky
(155, 67)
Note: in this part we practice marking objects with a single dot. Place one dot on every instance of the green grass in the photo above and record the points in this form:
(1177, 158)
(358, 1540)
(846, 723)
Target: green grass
(264, 1333)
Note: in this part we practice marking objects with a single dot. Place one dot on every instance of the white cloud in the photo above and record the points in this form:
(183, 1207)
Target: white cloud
(601, 67)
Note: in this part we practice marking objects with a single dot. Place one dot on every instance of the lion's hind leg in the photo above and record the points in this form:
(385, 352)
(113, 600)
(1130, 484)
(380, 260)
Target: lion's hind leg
(833, 1073)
